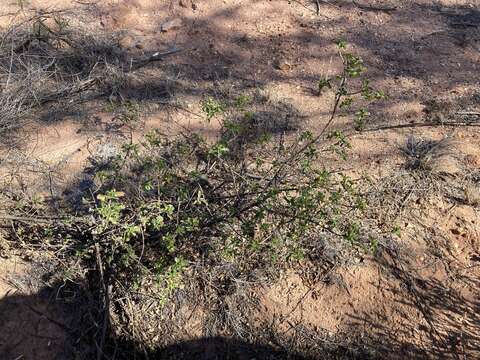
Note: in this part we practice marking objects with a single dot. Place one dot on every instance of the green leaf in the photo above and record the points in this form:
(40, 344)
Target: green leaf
(211, 108)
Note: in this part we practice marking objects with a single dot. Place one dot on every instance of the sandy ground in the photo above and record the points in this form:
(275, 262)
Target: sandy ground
(424, 54)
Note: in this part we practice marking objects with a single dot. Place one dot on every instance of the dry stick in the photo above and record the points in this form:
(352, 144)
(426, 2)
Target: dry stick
(79, 88)
(156, 56)
(427, 124)
(106, 311)
(374, 8)
(88, 2)
(468, 113)
(26, 219)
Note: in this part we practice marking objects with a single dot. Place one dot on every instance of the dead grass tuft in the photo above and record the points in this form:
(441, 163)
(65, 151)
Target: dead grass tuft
(472, 194)
(437, 157)
(46, 60)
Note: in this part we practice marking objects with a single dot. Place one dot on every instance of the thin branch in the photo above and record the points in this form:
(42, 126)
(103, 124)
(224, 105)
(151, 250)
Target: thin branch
(373, 8)
(427, 124)
(106, 306)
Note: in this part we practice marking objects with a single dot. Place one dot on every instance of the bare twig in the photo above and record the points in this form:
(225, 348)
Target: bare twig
(26, 219)
(156, 56)
(468, 113)
(106, 289)
(374, 8)
(427, 124)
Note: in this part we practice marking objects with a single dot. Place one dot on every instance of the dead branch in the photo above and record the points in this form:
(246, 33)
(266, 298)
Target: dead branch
(40, 65)
(34, 220)
(374, 8)
(156, 56)
(106, 289)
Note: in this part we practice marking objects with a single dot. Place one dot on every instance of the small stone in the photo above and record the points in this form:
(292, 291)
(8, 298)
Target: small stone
(445, 164)
(171, 25)
(283, 64)
(455, 231)
(126, 42)
(473, 160)
(183, 3)
(472, 195)
(53, 25)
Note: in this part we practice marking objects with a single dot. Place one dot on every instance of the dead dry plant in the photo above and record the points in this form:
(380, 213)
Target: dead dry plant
(44, 59)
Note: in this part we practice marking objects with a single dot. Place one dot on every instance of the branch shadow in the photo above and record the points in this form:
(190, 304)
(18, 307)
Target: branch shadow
(46, 325)
(439, 333)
